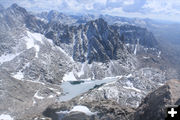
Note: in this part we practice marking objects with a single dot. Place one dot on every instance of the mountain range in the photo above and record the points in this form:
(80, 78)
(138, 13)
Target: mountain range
(39, 52)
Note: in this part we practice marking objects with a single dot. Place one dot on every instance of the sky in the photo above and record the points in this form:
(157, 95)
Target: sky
(154, 9)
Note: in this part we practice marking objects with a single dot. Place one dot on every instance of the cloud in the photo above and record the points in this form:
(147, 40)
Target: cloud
(160, 9)
(167, 9)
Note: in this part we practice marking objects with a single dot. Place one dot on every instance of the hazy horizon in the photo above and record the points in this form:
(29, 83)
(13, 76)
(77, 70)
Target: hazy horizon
(165, 10)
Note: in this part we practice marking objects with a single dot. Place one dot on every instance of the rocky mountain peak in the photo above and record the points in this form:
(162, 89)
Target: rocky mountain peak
(99, 22)
(17, 10)
(14, 5)
(53, 13)
(98, 27)
(55, 16)
(103, 43)
(154, 105)
(17, 7)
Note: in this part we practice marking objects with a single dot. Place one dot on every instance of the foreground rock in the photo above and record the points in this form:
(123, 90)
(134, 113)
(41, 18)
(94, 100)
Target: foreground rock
(100, 110)
(22, 100)
(153, 106)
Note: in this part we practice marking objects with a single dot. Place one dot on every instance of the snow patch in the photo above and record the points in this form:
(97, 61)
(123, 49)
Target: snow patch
(81, 72)
(81, 98)
(35, 36)
(7, 57)
(159, 54)
(55, 90)
(113, 77)
(93, 75)
(78, 108)
(58, 93)
(83, 109)
(69, 77)
(136, 47)
(19, 75)
(160, 84)
(129, 75)
(51, 96)
(37, 50)
(127, 44)
(42, 19)
(31, 40)
(63, 112)
(34, 102)
(5, 117)
(36, 82)
(146, 57)
(37, 96)
(131, 87)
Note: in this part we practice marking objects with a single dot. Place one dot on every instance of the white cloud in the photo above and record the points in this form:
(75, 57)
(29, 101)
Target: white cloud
(163, 9)
(162, 6)
(128, 2)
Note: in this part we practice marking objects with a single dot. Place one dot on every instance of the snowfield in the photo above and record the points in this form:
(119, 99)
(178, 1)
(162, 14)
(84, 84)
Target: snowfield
(32, 39)
(69, 77)
(79, 108)
(19, 75)
(5, 117)
(7, 57)
(37, 96)
(83, 109)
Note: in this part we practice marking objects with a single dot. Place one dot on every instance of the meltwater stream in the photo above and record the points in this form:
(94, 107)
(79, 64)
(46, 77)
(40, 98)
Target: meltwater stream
(72, 89)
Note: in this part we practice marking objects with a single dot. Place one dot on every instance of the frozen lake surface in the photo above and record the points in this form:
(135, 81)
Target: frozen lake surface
(72, 89)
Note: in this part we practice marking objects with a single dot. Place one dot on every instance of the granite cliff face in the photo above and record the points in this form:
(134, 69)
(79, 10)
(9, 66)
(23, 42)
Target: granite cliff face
(94, 41)
(154, 105)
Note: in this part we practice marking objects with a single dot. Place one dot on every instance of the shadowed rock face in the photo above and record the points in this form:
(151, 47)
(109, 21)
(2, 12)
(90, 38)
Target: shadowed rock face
(153, 106)
(94, 41)
(104, 110)
(98, 41)
(133, 34)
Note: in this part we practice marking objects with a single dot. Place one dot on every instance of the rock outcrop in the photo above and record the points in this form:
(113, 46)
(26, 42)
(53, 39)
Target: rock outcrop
(104, 109)
(153, 107)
